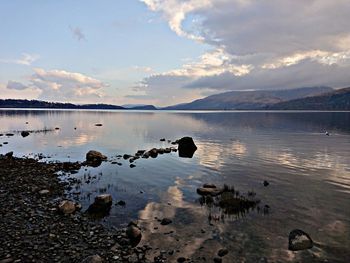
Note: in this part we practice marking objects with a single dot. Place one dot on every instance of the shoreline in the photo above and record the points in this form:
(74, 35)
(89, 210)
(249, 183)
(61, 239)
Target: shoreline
(33, 229)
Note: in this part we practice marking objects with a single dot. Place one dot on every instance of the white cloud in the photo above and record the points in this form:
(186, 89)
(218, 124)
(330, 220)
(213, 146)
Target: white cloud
(26, 59)
(60, 85)
(258, 44)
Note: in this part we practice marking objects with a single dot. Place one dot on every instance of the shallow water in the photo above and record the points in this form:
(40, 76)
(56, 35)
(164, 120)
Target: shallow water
(308, 172)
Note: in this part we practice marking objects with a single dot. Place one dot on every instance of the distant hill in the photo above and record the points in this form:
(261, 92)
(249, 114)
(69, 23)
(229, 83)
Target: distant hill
(249, 100)
(336, 100)
(14, 103)
(139, 107)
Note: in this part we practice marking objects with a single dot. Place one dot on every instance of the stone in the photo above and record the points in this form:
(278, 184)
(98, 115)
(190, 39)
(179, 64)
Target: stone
(93, 259)
(209, 191)
(25, 133)
(95, 158)
(166, 221)
(101, 206)
(66, 207)
(266, 183)
(134, 234)
(153, 153)
(186, 147)
(181, 259)
(299, 240)
(44, 192)
(217, 260)
(222, 252)
(9, 154)
(162, 140)
(98, 124)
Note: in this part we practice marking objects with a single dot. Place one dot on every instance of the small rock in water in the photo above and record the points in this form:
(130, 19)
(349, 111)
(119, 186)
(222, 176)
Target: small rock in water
(186, 147)
(101, 206)
(9, 154)
(299, 240)
(162, 140)
(121, 203)
(93, 259)
(24, 133)
(134, 233)
(266, 183)
(166, 221)
(98, 124)
(132, 165)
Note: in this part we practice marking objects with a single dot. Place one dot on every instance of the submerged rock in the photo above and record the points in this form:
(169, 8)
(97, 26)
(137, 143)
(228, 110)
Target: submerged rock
(186, 147)
(299, 240)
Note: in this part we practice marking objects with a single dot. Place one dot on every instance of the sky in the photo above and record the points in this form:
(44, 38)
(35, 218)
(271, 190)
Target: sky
(165, 52)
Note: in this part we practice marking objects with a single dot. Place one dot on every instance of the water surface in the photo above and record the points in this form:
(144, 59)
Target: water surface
(308, 172)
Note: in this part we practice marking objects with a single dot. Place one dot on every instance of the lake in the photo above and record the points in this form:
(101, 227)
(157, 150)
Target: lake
(308, 174)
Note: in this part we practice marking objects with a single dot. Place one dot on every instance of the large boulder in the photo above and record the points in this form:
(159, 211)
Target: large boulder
(95, 158)
(299, 240)
(186, 147)
(101, 206)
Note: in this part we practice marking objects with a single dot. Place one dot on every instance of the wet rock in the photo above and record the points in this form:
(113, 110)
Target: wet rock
(9, 134)
(162, 140)
(153, 153)
(209, 186)
(222, 252)
(217, 260)
(95, 158)
(25, 133)
(121, 203)
(299, 240)
(98, 124)
(101, 206)
(211, 191)
(181, 259)
(134, 234)
(93, 259)
(66, 207)
(140, 152)
(186, 147)
(126, 156)
(57, 128)
(166, 221)
(167, 150)
(266, 183)
(132, 165)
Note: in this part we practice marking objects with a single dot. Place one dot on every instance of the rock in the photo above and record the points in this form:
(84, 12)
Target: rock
(121, 203)
(101, 206)
(44, 192)
(132, 165)
(93, 259)
(217, 260)
(166, 221)
(9, 154)
(95, 158)
(153, 153)
(98, 124)
(25, 133)
(57, 128)
(9, 134)
(266, 183)
(134, 234)
(66, 207)
(186, 147)
(181, 259)
(6, 260)
(167, 150)
(222, 252)
(126, 156)
(162, 140)
(140, 152)
(299, 240)
(209, 191)
(209, 185)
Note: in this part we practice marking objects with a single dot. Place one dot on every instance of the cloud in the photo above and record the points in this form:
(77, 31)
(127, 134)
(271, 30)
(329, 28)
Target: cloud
(26, 59)
(77, 33)
(16, 85)
(257, 44)
(60, 85)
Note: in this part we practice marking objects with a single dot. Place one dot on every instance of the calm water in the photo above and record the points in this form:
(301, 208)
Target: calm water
(309, 175)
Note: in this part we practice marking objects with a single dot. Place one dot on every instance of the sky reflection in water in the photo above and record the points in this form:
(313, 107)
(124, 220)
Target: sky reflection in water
(309, 175)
